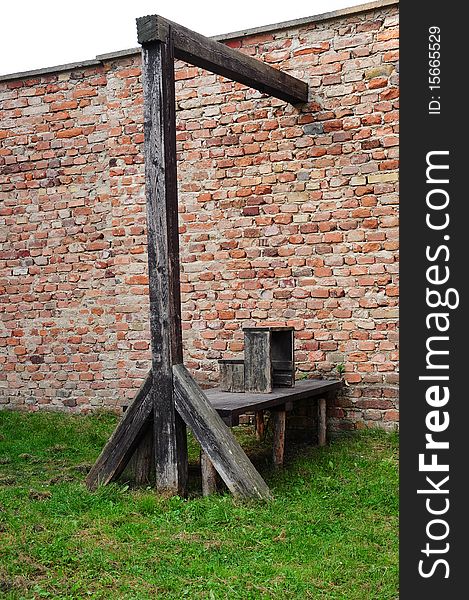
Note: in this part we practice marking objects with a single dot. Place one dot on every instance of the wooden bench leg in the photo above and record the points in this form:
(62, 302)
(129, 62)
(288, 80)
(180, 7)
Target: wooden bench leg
(322, 423)
(279, 417)
(260, 425)
(209, 475)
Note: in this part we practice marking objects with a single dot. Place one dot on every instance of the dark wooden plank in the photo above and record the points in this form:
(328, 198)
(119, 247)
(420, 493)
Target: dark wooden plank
(127, 435)
(214, 56)
(216, 439)
(257, 361)
(209, 475)
(163, 261)
(229, 405)
(280, 418)
(282, 365)
(322, 421)
(282, 378)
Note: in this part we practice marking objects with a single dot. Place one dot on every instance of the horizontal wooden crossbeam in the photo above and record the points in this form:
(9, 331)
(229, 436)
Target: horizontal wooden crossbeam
(214, 56)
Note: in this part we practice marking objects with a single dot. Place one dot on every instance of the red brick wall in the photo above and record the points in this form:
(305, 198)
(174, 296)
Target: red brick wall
(288, 215)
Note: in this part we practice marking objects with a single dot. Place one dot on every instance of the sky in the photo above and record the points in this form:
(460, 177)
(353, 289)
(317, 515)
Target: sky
(43, 33)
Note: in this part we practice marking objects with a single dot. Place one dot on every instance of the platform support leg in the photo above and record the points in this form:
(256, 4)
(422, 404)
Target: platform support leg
(209, 475)
(280, 418)
(260, 425)
(322, 422)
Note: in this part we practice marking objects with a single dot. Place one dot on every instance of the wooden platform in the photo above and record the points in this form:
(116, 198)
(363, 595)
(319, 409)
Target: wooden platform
(230, 405)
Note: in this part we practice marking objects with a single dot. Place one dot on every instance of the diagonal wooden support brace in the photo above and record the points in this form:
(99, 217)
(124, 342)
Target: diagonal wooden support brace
(216, 439)
(123, 442)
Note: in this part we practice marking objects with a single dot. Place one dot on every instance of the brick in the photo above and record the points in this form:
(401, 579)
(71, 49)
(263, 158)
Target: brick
(84, 92)
(313, 129)
(382, 177)
(391, 415)
(70, 133)
(377, 82)
(351, 41)
(64, 105)
(316, 48)
(383, 70)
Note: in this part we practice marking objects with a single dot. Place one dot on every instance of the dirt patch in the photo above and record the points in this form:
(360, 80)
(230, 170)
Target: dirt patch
(83, 468)
(7, 481)
(39, 495)
(61, 479)
(57, 448)
(11, 584)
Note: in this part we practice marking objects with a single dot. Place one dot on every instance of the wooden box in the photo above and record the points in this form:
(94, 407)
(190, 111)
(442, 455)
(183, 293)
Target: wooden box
(268, 358)
(231, 375)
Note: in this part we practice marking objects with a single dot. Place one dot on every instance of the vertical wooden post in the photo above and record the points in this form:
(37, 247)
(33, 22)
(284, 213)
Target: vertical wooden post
(163, 261)
(209, 475)
(322, 421)
(260, 424)
(280, 418)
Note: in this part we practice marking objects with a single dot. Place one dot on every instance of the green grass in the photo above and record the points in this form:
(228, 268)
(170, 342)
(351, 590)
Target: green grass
(330, 533)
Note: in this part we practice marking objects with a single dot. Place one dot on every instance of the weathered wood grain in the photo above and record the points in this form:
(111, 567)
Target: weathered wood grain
(257, 361)
(282, 378)
(152, 28)
(322, 421)
(216, 439)
(231, 375)
(229, 405)
(163, 261)
(279, 419)
(141, 466)
(260, 425)
(121, 445)
(214, 56)
(209, 475)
